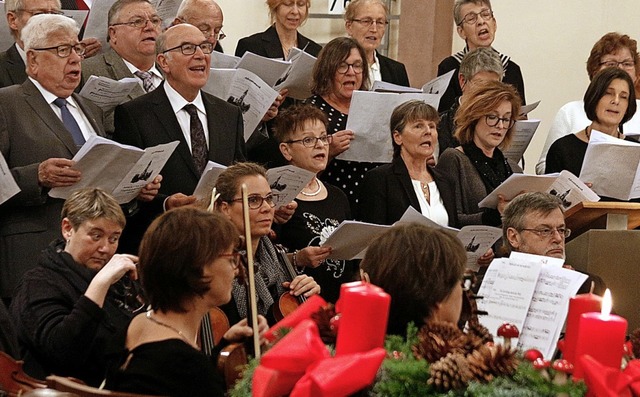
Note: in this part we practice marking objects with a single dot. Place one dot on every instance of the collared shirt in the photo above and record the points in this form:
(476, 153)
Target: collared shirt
(155, 73)
(184, 119)
(74, 109)
(374, 69)
(22, 53)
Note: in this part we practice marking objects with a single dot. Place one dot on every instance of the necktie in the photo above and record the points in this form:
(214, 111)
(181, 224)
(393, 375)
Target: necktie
(69, 122)
(147, 79)
(199, 150)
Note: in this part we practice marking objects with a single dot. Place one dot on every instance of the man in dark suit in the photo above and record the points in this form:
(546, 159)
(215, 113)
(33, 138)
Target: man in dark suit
(38, 145)
(13, 60)
(207, 128)
(134, 26)
(206, 15)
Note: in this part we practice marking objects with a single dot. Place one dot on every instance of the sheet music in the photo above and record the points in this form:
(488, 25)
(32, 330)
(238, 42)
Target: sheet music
(610, 176)
(270, 70)
(220, 60)
(167, 10)
(351, 238)
(287, 182)
(298, 77)
(97, 22)
(369, 116)
(438, 85)
(383, 86)
(208, 179)
(8, 185)
(523, 132)
(108, 93)
(526, 109)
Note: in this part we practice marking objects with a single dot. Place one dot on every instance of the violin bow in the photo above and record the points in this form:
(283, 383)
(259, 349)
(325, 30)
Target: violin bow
(252, 276)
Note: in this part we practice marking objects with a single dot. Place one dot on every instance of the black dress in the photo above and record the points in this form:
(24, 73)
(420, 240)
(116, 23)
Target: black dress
(567, 153)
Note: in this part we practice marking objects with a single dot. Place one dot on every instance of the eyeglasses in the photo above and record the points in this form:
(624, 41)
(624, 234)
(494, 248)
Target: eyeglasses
(139, 23)
(626, 64)
(235, 257)
(255, 200)
(312, 141)
(40, 11)
(357, 67)
(219, 35)
(472, 17)
(64, 50)
(548, 232)
(367, 22)
(128, 295)
(190, 48)
(492, 120)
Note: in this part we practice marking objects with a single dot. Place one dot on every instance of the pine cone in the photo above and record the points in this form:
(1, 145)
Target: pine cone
(503, 361)
(635, 342)
(436, 339)
(450, 373)
(472, 343)
(479, 364)
(323, 319)
(478, 330)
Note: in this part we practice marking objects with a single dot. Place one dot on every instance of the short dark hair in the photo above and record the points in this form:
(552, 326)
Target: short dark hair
(409, 112)
(598, 88)
(524, 204)
(294, 117)
(174, 251)
(418, 266)
(331, 56)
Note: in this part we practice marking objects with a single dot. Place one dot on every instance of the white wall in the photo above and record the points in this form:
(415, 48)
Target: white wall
(549, 39)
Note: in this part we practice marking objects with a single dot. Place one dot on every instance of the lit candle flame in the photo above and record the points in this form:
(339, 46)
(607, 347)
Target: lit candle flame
(606, 303)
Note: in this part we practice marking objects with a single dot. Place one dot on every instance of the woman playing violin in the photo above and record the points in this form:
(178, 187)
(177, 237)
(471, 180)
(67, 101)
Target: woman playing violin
(271, 278)
(188, 259)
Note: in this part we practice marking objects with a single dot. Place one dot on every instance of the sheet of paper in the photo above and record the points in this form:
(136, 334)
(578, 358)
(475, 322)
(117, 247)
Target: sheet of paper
(351, 238)
(8, 185)
(108, 93)
(268, 69)
(287, 181)
(246, 90)
(6, 40)
(383, 86)
(297, 79)
(97, 22)
(167, 10)
(369, 116)
(220, 60)
(526, 109)
(477, 239)
(208, 179)
(566, 186)
(548, 310)
(523, 132)
(79, 16)
(610, 176)
(438, 85)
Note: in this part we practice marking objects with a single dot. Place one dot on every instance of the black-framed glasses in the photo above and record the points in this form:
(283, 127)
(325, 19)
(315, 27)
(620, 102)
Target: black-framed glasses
(139, 23)
(367, 22)
(39, 11)
(312, 141)
(547, 232)
(64, 50)
(190, 48)
(472, 17)
(255, 200)
(127, 294)
(492, 120)
(357, 67)
(234, 258)
(626, 64)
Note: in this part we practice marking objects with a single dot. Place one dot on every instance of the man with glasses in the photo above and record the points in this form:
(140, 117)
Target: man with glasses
(206, 15)
(476, 25)
(14, 59)
(43, 124)
(208, 128)
(133, 27)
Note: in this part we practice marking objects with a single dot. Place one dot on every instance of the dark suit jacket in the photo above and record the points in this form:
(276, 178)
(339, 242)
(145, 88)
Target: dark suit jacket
(267, 44)
(149, 121)
(387, 192)
(109, 64)
(393, 71)
(30, 132)
(12, 68)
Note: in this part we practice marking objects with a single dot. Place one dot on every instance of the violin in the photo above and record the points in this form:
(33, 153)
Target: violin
(13, 380)
(287, 303)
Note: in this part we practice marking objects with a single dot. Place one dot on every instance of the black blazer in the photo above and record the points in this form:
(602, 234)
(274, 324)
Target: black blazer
(12, 68)
(267, 44)
(393, 71)
(387, 192)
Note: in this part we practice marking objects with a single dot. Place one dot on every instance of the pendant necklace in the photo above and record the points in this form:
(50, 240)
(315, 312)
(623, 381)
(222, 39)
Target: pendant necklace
(171, 327)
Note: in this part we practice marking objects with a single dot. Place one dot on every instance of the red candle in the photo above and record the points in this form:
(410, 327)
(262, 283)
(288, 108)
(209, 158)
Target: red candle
(602, 336)
(578, 305)
(363, 323)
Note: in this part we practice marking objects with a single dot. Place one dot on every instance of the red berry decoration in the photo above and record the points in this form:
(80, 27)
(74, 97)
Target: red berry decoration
(334, 323)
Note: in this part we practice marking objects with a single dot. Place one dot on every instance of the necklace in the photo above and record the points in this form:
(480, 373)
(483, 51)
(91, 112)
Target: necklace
(425, 190)
(587, 132)
(171, 327)
(313, 193)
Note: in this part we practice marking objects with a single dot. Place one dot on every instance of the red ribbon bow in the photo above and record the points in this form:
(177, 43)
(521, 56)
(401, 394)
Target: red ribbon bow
(603, 381)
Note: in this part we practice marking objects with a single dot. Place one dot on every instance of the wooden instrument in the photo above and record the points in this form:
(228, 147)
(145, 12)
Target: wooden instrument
(287, 303)
(13, 380)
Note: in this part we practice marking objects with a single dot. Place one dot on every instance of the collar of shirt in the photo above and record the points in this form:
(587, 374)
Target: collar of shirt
(157, 76)
(22, 53)
(178, 102)
(375, 69)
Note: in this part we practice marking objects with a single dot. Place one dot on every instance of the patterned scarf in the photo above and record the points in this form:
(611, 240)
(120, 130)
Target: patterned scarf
(493, 171)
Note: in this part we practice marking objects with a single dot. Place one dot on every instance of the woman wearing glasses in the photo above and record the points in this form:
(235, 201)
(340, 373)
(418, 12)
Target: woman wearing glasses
(69, 310)
(271, 278)
(304, 142)
(609, 102)
(185, 274)
(476, 167)
(366, 21)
